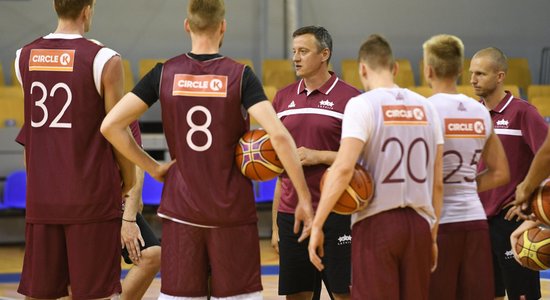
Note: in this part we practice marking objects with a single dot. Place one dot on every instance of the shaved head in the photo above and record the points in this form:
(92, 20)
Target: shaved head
(496, 56)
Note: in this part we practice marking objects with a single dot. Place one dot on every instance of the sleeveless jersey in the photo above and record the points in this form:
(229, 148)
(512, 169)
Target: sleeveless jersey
(466, 125)
(401, 130)
(72, 176)
(203, 120)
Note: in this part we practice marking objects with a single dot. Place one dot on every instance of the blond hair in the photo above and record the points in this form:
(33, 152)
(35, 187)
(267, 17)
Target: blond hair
(445, 54)
(205, 15)
(376, 53)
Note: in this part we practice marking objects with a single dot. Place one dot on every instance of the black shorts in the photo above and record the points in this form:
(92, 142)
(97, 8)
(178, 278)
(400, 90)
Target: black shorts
(509, 275)
(148, 235)
(297, 274)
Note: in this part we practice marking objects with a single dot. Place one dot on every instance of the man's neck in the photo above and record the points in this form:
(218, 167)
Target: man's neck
(492, 100)
(382, 79)
(204, 45)
(447, 86)
(318, 80)
(69, 27)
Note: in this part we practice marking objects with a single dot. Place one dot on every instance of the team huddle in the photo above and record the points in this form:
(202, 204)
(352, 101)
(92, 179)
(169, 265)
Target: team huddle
(451, 174)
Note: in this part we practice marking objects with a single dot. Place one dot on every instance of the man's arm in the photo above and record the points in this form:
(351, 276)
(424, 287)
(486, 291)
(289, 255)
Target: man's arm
(114, 128)
(497, 172)
(112, 82)
(311, 157)
(336, 182)
(437, 200)
(286, 151)
(130, 234)
(274, 210)
(538, 171)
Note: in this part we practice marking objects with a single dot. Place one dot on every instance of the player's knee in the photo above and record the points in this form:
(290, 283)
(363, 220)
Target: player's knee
(151, 257)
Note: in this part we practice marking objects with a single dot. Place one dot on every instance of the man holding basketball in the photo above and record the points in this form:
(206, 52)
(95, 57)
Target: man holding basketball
(207, 207)
(396, 135)
(521, 130)
(464, 268)
(74, 181)
(312, 110)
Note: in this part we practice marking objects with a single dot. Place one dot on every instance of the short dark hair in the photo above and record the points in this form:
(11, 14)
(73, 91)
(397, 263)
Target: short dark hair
(205, 15)
(376, 53)
(70, 9)
(323, 38)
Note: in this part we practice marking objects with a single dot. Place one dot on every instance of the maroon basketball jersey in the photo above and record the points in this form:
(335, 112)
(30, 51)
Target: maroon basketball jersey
(203, 120)
(72, 176)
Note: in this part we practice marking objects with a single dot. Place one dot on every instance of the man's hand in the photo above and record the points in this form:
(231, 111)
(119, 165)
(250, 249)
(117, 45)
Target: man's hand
(275, 239)
(131, 238)
(435, 254)
(308, 157)
(161, 170)
(303, 214)
(315, 248)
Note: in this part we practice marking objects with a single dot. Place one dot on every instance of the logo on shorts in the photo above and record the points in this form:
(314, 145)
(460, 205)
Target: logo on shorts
(509, 254)
(200, 85)
(344, 240)
(56, 60)
(404, 115)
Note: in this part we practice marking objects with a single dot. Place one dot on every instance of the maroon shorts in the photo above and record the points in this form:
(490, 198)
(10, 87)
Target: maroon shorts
(465, 263)
(84, 256)
(391, 255)
(189, 253)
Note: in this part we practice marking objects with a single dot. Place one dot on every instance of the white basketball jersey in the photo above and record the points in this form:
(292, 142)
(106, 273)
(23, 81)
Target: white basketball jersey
(466, 125)
(401, 130)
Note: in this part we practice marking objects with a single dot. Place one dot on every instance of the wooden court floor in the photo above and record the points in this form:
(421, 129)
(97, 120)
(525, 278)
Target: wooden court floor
(11, 260)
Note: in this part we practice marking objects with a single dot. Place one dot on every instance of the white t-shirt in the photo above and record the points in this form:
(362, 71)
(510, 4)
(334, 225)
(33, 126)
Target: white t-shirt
(466, 125)
(401, 130)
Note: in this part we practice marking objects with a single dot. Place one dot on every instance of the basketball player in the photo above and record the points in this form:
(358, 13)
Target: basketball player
(537, 173)
(208, 209)
(464, 268)
(521, 130)
(395, 134)
(73, 180)
(312, 110)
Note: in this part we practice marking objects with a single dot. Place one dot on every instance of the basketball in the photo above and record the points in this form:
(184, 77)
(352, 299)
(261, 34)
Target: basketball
(358, 193)
(540, 203)
(256, 157)
(533, 248)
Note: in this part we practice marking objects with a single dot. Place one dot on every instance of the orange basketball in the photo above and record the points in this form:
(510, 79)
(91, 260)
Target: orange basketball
(540, 203)
(358, 193)
(533, 248)
(256, 157)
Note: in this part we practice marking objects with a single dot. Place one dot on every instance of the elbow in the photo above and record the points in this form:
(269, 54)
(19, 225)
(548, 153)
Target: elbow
(106, 128)
(504, 177)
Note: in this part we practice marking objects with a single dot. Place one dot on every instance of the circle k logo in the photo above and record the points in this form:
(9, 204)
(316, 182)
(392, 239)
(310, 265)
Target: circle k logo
(418, 114)
(65, 59)
(216, 84)
(478, 127)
